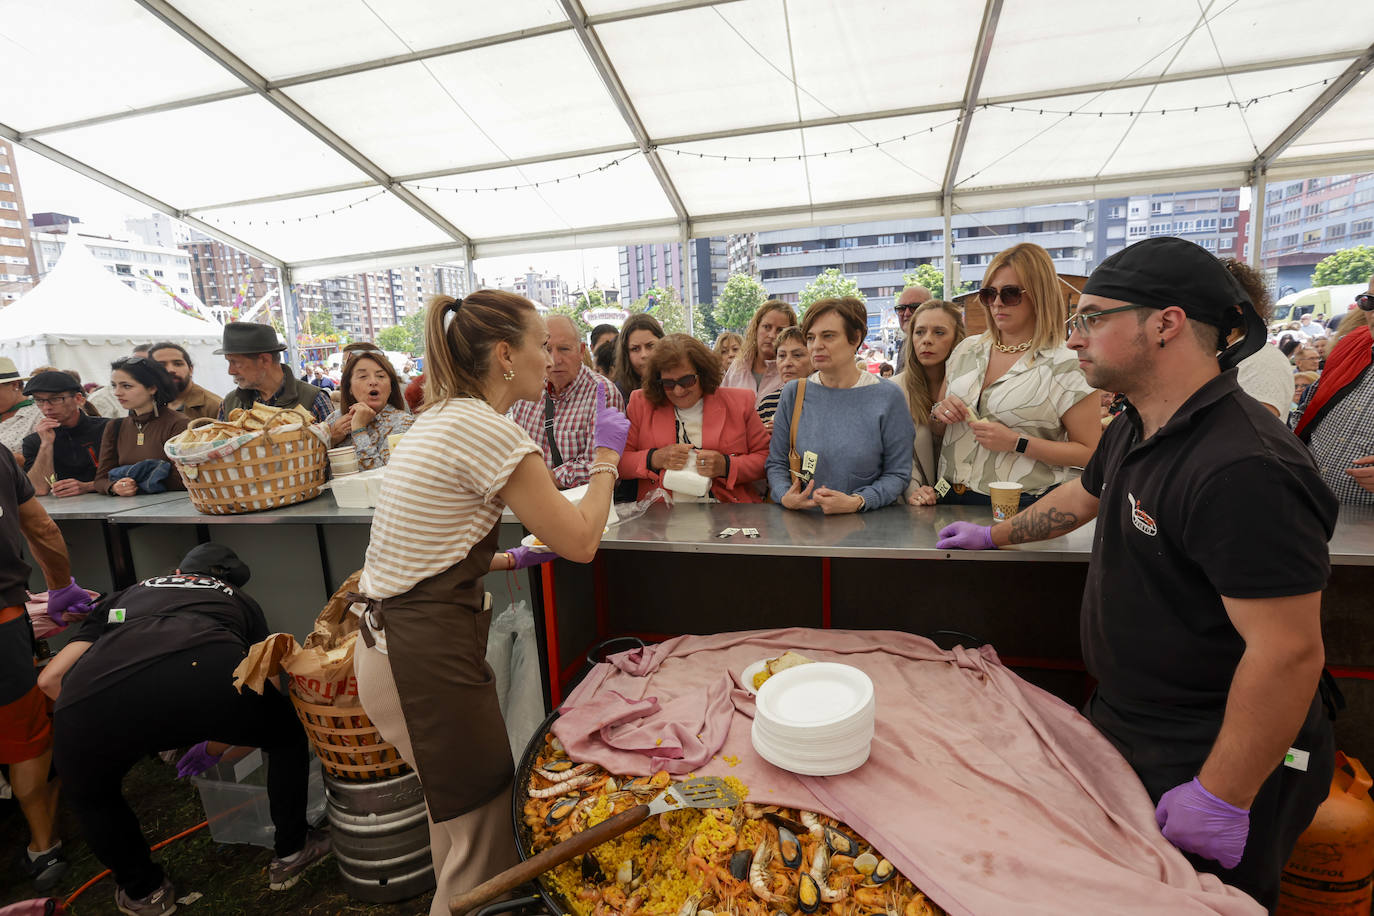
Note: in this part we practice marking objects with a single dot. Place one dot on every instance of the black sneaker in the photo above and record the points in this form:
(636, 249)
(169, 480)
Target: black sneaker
(46, 870)
(284, 873)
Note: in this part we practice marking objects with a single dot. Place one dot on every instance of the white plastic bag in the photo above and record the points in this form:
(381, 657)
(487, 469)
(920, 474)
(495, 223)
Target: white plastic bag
(513, 655)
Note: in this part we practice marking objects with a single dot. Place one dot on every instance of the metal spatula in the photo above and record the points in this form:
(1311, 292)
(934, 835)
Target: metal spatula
(702, 792)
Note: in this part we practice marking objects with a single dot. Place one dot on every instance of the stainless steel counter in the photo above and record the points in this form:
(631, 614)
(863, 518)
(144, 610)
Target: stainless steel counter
(322, 510)
(102, 507)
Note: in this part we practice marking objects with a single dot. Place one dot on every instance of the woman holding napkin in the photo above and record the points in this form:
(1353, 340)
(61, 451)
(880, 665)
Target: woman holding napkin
(371, 408)
(683, 422)
(131, 456)
(421, 659)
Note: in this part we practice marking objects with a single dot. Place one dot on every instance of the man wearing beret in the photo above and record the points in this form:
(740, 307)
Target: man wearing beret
(1207, 653)
(63, 451)
(256, 368)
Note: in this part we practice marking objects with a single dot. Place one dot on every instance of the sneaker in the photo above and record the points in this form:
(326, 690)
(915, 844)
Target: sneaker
(158, 903)
(46, 870)
(284, 873)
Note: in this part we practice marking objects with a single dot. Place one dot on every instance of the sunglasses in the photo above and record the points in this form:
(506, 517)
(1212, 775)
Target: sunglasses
(1365, 301)
(1011, 295)
(906, 308)
(687, 381)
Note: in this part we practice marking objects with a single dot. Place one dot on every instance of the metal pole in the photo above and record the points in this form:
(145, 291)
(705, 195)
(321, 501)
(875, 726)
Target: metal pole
(949, 248)
(288, 316)
(687, 278)
(469, 282)
(1259, 186)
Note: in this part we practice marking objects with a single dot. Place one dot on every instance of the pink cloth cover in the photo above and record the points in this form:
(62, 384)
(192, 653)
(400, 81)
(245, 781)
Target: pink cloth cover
(994, 796)
(43, 625)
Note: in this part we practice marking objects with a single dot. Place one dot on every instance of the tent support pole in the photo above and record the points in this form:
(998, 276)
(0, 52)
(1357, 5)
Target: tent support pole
(288, 318)
(1259, 186)
(949, 248)
(688, 277)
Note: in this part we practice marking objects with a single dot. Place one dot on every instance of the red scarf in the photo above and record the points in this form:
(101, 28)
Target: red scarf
(1343, 366)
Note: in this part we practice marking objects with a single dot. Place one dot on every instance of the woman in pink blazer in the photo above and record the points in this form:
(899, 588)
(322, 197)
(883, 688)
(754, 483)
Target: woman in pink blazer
(681, 415)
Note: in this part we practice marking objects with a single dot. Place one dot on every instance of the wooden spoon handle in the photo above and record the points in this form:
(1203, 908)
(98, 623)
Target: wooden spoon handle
(550, 858)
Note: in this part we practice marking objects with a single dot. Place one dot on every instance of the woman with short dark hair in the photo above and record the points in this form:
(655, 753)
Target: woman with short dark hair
(854, 434)
(144, 389)
(681, 418)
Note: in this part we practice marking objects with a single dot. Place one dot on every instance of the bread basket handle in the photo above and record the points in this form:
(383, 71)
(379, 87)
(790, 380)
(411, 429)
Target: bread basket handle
(201, 421)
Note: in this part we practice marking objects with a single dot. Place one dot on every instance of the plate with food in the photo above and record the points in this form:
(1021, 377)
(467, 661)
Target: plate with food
(538, 546)
(753, 676)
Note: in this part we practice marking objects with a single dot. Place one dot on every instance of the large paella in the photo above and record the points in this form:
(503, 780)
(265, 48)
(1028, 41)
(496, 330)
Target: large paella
(750, 860)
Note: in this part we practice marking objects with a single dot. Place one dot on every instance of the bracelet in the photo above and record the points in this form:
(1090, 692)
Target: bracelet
(602, 467)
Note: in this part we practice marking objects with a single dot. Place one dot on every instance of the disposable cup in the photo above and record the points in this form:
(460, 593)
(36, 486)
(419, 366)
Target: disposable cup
(1006, 499)
(343, 460)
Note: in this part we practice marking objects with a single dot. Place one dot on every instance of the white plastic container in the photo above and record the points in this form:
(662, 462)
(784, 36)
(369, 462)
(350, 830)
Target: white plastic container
(234, 796)
(358, 491)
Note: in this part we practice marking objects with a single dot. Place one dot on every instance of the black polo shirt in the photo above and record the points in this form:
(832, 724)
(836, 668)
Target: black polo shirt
(75, 449)
(1223, 500)
(15, 489)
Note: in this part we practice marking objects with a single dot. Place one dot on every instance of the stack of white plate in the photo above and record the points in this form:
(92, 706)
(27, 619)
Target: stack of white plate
(816, 719)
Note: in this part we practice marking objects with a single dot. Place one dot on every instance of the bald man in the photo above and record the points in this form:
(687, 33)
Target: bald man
(912, 298)
(561, 421)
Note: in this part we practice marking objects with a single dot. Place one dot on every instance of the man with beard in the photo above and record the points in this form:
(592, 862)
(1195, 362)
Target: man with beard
(192, 400)
(63, 451)
(1207, 653)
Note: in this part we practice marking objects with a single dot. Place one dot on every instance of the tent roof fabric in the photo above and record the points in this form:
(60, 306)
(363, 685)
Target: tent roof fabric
(79, 299)
(327, 136)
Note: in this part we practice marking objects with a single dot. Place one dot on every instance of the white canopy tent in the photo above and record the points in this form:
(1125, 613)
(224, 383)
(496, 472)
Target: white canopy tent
(338, 135)
(80, 317)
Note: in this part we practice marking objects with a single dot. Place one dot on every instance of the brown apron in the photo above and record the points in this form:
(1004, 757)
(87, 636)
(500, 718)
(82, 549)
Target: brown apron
(436, 638)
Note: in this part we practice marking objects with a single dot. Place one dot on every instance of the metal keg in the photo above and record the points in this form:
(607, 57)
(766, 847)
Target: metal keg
(381, 837)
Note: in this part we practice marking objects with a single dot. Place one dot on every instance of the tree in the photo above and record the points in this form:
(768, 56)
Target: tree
(394, 338)
(738, 302)
(319, 323)
(830, 284)
(592, 299)
(415, 330)
(1350, 265)
(932, 278)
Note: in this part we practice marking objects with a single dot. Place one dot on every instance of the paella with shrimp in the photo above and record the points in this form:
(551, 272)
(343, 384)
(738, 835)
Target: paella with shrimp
(750, 860)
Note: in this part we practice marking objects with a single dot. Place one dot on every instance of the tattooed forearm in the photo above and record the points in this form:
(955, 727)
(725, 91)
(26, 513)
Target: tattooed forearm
(1036, 524)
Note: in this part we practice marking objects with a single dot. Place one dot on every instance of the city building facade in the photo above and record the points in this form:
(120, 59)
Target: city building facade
(146, 269)
(1305, 221)
(547, 291)
(697, 271)
(18, 260)
(225, 278)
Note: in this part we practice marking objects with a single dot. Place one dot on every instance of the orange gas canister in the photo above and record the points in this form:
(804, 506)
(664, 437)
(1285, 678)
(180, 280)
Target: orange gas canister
(1331, 871)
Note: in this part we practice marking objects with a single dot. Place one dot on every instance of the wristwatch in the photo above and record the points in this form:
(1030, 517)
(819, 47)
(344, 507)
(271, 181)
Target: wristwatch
(1022, 444)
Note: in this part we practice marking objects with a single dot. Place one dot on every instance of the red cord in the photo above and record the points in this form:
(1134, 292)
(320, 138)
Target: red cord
(87, 886)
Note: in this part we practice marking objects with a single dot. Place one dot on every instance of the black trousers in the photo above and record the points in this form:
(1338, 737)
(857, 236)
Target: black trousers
(1166, 752)
(183, 699)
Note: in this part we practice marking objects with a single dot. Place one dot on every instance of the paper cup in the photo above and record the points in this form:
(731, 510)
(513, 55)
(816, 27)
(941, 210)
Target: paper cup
(343, 460)
(1006, 499)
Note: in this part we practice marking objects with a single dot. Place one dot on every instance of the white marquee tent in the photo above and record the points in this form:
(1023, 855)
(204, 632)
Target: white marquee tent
(80, 317)
(334, 135)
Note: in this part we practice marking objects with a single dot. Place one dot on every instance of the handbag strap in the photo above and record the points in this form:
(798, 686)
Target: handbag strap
(796, 415)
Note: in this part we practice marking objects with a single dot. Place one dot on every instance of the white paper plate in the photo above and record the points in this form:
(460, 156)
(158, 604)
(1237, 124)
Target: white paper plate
(815, 696)
(528, 541)
(832, 766)
(746, 676)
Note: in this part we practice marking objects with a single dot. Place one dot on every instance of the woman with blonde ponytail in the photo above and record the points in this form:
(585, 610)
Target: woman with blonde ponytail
(422, 675)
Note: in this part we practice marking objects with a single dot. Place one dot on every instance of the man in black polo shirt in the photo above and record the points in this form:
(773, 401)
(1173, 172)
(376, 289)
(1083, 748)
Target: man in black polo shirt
(61, 455)
(1207, 652)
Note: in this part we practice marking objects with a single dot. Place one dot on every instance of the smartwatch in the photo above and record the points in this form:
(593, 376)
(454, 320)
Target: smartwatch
(1022, 444)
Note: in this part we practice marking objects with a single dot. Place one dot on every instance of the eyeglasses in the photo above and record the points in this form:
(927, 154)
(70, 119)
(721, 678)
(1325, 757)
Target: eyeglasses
(687, 381)
(1011, 295)
(51, 402)
(1084, 322)
(1365, 301)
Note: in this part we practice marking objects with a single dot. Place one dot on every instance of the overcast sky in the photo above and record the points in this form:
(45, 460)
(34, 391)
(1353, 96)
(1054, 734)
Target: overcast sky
(49, 186)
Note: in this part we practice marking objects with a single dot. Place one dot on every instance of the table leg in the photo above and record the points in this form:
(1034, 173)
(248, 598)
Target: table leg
(599, 577)
(551, 634)
(119, 554)
(825, 592)
(324, 562)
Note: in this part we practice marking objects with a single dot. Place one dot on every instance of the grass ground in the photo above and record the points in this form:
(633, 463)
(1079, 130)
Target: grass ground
(231, 879)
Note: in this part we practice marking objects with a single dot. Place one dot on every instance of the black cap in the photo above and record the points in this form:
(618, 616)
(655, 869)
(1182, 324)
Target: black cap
(1166, 271)
(218, 561)
(249, 337)
(53, 382)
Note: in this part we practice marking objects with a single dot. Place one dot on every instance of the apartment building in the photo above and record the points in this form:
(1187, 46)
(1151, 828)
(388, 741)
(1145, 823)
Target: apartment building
(18, 261)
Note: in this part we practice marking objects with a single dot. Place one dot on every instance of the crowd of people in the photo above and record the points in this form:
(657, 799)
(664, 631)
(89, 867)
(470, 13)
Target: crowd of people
(1161, 373)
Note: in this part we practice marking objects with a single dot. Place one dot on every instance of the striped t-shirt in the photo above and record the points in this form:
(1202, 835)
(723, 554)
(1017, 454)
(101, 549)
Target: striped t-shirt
(441, 494)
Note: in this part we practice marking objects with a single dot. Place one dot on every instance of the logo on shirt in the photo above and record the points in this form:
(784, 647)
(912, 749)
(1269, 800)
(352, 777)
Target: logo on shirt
(1141, 519)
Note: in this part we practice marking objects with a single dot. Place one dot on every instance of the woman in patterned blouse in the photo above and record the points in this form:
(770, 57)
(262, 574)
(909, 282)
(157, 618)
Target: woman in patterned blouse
(1016, 405)
(370, 408)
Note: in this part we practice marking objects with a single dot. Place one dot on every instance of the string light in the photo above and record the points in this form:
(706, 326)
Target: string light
(1131, 113)
(300, 219)
(824, 154)
(534, 184)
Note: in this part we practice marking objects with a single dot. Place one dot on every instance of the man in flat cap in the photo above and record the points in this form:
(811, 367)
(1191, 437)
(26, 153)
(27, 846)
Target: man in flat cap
(1207, 654)
(63, 451)
(255, 365)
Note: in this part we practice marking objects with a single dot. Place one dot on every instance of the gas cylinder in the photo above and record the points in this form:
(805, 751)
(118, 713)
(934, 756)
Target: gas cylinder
(1331, 871)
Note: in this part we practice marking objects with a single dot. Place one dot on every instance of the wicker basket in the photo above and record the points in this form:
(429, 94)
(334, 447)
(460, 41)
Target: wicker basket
(347, 743)
(278, 468)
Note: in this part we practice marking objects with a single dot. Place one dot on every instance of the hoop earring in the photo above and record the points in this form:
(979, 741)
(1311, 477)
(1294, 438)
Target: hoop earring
(509, 375)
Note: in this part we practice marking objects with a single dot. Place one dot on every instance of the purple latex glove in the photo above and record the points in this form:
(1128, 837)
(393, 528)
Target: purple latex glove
(965, 536)
(1196, 821)
(612, 426)
(525, 557)
(196, 761)
(69, 598)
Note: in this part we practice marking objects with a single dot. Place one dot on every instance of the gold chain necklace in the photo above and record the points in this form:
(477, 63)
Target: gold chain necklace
(1019, 348)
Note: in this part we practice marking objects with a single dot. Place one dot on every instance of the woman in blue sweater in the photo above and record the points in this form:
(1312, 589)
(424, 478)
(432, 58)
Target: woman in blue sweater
(855, 424)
